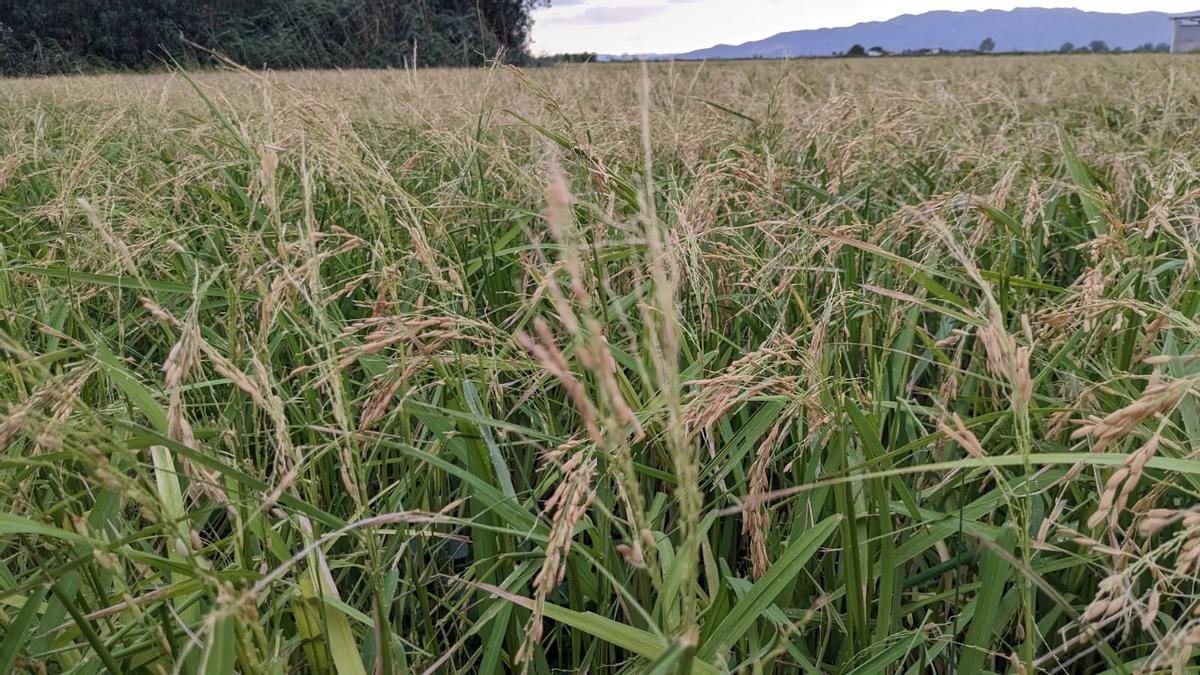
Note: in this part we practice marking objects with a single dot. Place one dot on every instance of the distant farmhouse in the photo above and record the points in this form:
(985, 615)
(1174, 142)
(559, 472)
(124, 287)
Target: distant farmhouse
(1187, 33)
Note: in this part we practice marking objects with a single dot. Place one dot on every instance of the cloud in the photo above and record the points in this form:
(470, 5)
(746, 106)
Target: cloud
(572, 3)
(608, 15)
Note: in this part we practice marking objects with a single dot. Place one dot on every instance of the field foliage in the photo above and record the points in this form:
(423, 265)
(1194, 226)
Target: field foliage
(881, 366)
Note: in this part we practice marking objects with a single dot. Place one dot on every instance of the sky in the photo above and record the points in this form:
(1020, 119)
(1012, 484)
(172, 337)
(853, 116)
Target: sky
(673, 26)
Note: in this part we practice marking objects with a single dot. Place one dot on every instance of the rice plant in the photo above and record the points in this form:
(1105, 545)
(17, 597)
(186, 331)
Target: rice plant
(821, 366)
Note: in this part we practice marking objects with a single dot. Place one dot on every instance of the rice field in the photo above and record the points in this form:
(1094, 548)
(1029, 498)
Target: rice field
(826, 366)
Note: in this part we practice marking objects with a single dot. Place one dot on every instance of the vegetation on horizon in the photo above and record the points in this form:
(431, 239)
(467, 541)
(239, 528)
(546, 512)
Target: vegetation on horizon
(39, 37)
(823, 367)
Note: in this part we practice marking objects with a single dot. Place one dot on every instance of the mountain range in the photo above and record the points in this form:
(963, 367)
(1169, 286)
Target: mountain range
(1019, 30)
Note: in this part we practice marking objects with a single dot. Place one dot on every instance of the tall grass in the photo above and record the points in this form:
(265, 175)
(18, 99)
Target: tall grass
(822, 367)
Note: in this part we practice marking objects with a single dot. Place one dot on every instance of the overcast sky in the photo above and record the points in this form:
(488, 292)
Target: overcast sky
(671, 26)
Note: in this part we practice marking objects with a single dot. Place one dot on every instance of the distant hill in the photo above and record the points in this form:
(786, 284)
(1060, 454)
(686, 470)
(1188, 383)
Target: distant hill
(1024, 29)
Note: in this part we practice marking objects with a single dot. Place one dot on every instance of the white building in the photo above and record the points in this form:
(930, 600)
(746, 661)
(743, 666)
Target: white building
(1187, 33)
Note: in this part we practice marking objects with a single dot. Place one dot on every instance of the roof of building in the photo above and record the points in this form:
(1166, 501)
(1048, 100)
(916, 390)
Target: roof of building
(1188, 15)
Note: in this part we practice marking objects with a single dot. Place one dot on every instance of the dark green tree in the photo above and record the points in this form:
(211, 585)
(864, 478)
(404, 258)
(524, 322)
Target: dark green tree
(42, 36)
(987, 45)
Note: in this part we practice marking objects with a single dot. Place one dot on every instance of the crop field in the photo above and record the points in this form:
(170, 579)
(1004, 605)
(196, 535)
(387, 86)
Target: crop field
(841, 366)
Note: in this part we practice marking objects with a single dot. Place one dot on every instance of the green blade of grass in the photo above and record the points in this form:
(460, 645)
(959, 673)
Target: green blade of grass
(756, 602)
(994, 574)
(14, 638)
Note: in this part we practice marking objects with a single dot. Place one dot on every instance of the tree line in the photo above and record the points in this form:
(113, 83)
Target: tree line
(988, 45)
(1101, 47)
(51, 36)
